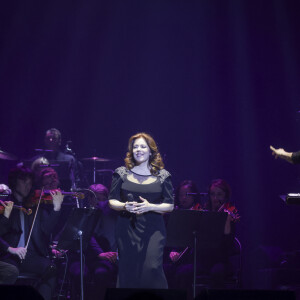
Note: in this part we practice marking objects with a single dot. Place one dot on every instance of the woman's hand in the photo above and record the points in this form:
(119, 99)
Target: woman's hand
(110, 256)
(58, 253)
(143, 207)
(130, 206)
(174, 256)
(57, 199)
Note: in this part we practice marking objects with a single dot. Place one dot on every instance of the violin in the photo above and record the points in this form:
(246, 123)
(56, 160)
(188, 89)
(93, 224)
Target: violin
(197, 206)
(46, 197)
(231, 210)
(23, 209)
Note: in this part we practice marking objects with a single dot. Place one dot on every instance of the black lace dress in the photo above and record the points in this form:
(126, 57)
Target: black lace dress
(141, 238)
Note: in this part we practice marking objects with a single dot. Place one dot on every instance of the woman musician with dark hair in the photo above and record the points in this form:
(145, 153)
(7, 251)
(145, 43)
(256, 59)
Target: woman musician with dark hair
(212, 262)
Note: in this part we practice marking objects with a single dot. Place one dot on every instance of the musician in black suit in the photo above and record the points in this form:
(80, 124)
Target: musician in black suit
(34, 258)
(8, 272)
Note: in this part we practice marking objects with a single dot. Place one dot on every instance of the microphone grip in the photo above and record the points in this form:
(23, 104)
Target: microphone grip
(130, 197)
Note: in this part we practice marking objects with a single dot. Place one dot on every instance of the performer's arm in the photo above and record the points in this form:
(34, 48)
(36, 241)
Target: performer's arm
(98, 251)
(281, 153)
(116, 204)
(114, 195)
(167, 204)
(145, 206)
(18, 251)
(4, 223)
(8, 206)
(296, 157)
(174, 256)
(4, 246)
(140, 208)
(49, 221)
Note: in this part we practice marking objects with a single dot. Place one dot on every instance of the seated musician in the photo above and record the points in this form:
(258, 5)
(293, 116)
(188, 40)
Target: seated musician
(8, 272)
(39, 164)
(101, 254)
(4, 189)
(186, 197)
(36, 167)
(29, 253)
(215, 261)
(48, 179)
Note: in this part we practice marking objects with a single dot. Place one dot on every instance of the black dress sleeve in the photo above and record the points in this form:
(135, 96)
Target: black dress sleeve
(115, 190)
(167, 191)
(296, 157)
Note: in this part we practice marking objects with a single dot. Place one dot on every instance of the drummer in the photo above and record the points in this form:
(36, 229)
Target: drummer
(65, 163)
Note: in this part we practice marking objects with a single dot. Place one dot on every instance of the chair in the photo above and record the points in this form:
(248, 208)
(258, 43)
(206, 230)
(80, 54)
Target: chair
(28, 279)
(233, 280)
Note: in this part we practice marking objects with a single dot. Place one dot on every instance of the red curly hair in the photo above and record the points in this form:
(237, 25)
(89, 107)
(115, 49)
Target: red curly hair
(155, 160)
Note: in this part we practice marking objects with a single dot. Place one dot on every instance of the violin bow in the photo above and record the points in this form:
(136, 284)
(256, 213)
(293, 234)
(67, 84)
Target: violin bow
(34, 218)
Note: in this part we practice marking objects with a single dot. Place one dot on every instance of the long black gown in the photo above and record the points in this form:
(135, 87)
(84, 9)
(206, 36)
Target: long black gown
(141, 238)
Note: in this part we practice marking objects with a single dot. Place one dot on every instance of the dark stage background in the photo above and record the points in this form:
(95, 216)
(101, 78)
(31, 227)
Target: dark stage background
(215, 82)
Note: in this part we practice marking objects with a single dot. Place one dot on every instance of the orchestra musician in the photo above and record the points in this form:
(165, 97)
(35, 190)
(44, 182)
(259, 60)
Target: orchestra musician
(47, 178)
(30, 255)
(8, 272)
(101, 254)
(186, 195)
(39, 164)
(213, 262)
(52, 142)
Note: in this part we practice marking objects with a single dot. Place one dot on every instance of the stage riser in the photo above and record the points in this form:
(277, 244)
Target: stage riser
(18, 292)
(152, 294)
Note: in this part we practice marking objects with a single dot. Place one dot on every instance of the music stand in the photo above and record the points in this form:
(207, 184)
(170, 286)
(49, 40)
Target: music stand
(79, 228)
(187, 227)
(291, 198)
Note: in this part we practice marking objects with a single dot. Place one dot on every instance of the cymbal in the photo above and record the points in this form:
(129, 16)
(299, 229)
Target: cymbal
(7, 156)
(95, 158)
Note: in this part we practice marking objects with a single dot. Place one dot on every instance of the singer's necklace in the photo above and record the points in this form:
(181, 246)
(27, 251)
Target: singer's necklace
(139, 174)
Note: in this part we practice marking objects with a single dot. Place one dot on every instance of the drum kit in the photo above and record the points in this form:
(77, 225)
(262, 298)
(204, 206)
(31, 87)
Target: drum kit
(94, 160)
(7, 156)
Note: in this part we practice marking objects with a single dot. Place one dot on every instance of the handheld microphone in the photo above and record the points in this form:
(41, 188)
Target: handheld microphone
(130, 197)
(133, 215)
